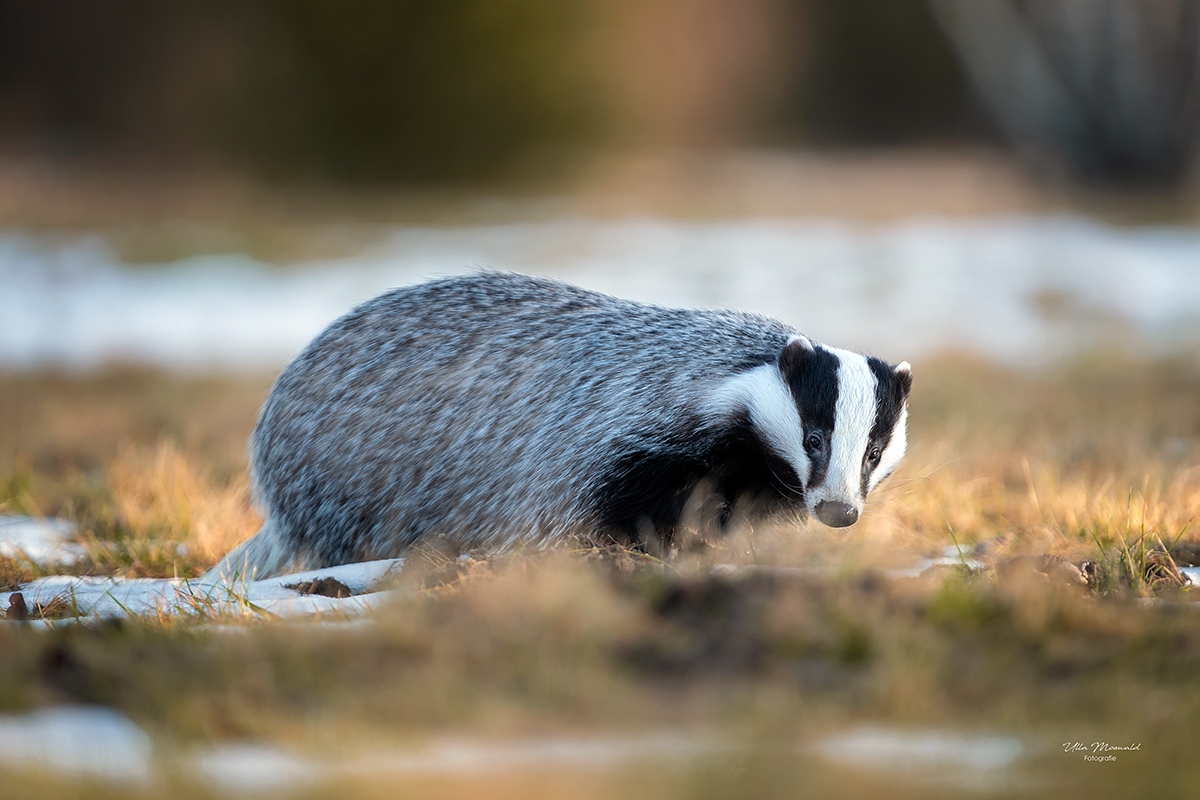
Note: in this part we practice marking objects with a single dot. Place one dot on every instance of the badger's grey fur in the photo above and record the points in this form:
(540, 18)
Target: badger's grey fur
(498, 408)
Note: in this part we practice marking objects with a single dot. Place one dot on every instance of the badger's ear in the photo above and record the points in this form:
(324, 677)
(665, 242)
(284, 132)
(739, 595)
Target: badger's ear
(794, 354)
(902, 373)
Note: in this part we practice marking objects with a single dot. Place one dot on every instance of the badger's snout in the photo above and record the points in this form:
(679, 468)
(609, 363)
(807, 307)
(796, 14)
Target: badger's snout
(836, 515)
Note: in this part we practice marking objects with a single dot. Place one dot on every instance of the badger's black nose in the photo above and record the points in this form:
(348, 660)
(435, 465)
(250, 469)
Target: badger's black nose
(836, 515)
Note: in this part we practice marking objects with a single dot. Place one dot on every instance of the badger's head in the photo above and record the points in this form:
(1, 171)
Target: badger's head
(836, 418)
(852, 415)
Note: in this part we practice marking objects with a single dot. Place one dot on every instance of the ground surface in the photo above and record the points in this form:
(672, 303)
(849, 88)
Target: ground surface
(788, 663)
(583, 674)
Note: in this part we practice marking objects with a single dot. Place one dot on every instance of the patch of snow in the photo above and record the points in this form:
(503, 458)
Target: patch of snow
(100, 743)
(87, 741)
(256, 768)
(1016, 288)
(42, 541)
(121, 597)
(463, 755)
(952, 556)
(917, 749)
(966, 761)
(979, 762)
(358, 578)
(1191, 575)
(261, 768)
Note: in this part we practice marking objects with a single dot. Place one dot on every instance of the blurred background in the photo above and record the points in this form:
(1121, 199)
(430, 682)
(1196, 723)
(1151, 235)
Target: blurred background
(1003, 192)
(1004, 176)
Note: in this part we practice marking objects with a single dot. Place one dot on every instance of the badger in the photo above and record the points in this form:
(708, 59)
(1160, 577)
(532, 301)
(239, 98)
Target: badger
(499, 409)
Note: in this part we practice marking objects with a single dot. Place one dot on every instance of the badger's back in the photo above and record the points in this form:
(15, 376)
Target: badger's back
(490, 409)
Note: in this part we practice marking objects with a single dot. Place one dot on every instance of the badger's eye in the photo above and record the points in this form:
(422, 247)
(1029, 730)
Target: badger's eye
(875, 454)
(815, 440)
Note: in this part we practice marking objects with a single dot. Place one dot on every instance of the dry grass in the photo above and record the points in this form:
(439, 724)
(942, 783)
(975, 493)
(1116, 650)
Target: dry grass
(158, 495)
(1093, 462)
(1103, 453)
(552, 646)
(150, 468)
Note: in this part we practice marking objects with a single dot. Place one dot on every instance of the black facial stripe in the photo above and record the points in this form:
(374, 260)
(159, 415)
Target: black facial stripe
(743, 464)
(812, 377)
(889, 403)
(818, 465)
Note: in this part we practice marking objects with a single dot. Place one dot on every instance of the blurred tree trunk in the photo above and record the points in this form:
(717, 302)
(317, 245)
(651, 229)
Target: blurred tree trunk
(1106, 89)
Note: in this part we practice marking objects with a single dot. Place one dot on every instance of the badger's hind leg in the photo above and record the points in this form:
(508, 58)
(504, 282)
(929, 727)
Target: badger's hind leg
(263, 555)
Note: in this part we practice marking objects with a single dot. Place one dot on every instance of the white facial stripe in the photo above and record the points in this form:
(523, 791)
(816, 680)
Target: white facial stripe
(763, 393)
(894, 450)
(854, 415)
